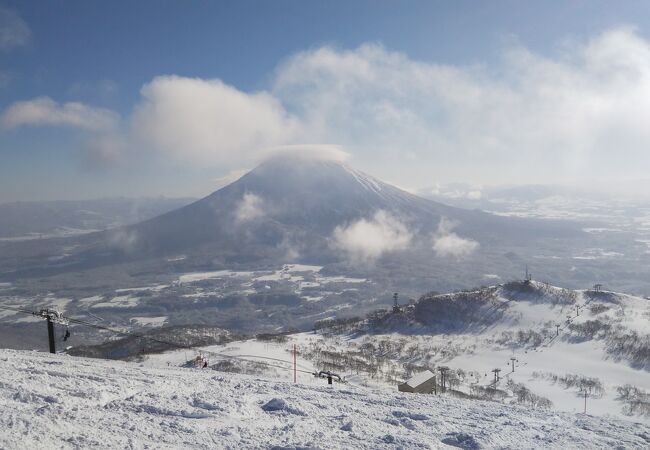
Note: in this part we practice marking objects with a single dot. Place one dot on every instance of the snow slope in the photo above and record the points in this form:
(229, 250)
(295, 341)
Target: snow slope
(475, 332)
(532, 366)
(57, 401)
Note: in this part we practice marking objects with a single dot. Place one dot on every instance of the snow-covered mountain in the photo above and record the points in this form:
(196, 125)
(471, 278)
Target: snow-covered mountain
(288, 208)
(561, 341)
(57, 401)
(296, 201)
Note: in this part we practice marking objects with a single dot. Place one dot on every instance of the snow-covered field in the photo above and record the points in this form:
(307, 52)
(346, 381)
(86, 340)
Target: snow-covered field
(319, 294)
(293, 273)
(57, 401)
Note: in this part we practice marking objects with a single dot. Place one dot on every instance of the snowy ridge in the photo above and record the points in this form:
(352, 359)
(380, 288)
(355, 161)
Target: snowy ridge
(365, 180)
(64, 402)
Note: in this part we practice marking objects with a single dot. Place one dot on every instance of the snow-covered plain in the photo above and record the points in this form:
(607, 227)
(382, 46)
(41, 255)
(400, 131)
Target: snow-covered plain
(57, 401)
(294, 273)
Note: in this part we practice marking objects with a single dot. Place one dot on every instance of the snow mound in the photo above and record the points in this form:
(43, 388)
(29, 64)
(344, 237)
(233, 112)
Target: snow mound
(279, 405)
(461, 440)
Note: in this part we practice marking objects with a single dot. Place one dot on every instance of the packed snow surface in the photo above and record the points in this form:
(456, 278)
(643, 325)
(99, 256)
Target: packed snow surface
(56, 401)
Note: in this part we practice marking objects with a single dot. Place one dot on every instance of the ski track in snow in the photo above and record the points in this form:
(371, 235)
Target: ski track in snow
(57, 401)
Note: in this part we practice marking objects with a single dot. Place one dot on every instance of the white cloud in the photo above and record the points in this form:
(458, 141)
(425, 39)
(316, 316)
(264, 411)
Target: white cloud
(366, 240)
(447, 243)
(209, 121)
(45, 111)
(574, 115)
(324, 152)
(14, 32)
(250, 207)
(122, 239)
(570, 115)
(291, 252)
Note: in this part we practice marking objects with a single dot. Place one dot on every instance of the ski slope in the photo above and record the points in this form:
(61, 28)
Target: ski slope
(486, 339)
(58, 401)
(478, 351)
(561, 358)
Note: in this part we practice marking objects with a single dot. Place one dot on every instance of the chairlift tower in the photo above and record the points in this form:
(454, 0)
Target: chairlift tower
(443, 375)
(52, 316)
(584, 392)
(496, 376)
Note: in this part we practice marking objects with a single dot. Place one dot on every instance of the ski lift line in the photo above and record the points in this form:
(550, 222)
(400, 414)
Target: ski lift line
(269, 358)
(172, 344)
(25, 311)
(99, 319)
(186, 347)
(138, 335)
(494, 308)
(545, 345)
(241, 358)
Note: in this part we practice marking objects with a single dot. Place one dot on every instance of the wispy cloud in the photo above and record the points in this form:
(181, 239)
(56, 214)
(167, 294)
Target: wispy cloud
(14, 32)
(103, 151)
(250, 207)
(446, 243)
(45, 111)
(367, 239)
(122, 239)
(324, 152)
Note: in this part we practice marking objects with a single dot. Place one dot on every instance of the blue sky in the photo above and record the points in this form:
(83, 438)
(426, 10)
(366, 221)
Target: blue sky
(370, 77)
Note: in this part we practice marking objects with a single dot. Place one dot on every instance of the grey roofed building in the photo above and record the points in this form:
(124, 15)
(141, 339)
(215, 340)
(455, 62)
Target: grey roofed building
(422, 383)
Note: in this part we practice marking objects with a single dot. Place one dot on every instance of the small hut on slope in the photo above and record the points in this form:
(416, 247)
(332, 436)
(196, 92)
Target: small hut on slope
(422, 383)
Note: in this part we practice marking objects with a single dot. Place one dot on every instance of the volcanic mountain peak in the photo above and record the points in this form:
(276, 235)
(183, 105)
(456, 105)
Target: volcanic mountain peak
(305, 167)
(294, 204)
(309, 196)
